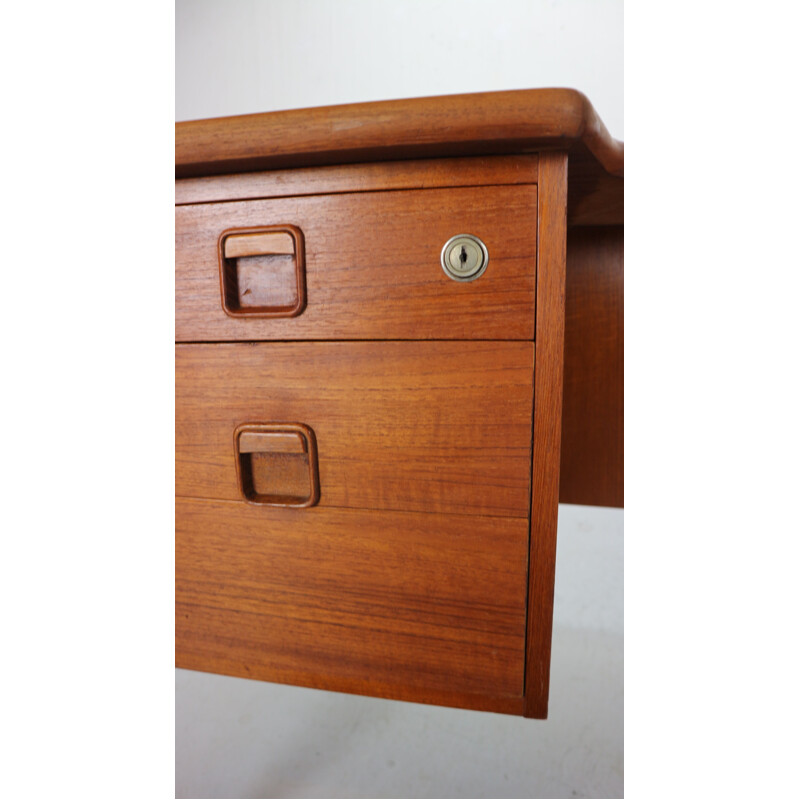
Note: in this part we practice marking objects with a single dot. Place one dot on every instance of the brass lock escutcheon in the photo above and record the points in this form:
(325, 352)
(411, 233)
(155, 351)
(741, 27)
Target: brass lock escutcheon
(464, 257)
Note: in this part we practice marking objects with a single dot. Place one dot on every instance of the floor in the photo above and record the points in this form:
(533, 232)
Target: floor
(240, 738)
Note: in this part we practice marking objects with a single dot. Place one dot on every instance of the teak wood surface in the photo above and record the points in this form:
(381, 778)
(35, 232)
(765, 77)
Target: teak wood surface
(548, 387)
(514, 122)
(453, 125)
(386, 176)
(276, 464)
(407, 426)
(259, 277)
(592, 431)
(425, 607)
(426, 570)
(372, 265)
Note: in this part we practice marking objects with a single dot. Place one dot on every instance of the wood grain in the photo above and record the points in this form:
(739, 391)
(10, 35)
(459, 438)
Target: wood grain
(426, 570)
(423, 426)
(385, 176)
(260, 441)
(592, 452)
(258, 244)
(414, 606)
(277, 479)
(372, 264)
(548, 387)
(262, 286)
(456, 125)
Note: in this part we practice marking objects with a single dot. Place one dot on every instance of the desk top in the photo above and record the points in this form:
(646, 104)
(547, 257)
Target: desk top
(488, 123)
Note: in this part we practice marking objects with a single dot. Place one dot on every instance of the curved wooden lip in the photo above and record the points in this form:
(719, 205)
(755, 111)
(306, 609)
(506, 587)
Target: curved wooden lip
(468, 124)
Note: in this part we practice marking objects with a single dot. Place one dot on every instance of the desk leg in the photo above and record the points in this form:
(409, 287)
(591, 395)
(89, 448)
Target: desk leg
(547, 399)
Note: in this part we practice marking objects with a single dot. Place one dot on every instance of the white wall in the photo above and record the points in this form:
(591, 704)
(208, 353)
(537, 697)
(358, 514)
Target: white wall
(246, 56)
(237, 738)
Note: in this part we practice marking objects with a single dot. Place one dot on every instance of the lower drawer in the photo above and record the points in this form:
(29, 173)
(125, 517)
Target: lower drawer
(413, 606)
(406, 576)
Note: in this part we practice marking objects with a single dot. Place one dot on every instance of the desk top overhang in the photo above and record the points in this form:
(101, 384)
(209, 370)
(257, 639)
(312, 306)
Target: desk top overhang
(489, 123)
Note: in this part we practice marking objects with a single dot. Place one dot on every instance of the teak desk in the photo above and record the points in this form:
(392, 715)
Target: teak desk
(380, 308)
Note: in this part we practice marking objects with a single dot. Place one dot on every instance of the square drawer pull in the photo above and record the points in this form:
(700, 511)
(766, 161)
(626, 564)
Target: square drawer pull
(276, 464)
(262, 272)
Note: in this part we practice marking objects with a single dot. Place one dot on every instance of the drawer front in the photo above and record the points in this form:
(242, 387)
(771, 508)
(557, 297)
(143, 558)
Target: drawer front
(405, 426)
(372, 266)
(408, 577)
(423, 607)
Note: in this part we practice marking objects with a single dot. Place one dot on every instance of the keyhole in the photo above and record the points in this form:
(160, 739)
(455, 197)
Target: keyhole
(464, 257)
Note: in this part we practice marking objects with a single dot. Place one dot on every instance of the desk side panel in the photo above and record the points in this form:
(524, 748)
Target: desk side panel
(592, 446)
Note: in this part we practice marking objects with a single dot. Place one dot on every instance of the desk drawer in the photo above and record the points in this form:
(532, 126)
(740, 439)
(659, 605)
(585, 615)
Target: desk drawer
(407, 426)
(372, 266)
(406, 577)
(423, 607)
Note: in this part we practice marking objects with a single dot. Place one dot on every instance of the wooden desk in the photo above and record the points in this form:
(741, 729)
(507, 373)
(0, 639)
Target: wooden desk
(369, 412)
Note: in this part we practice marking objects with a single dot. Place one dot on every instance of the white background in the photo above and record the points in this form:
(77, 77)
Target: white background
(248, 739)
(87, 565)
(247, 56)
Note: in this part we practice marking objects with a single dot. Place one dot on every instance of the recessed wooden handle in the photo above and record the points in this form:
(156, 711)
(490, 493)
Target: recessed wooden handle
(276, 464)
(262, 271)
(277, 243)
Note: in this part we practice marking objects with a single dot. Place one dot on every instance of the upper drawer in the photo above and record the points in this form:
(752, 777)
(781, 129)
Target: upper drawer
(372, 265)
